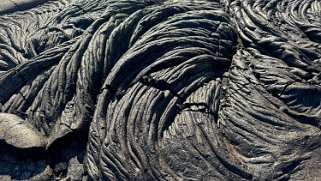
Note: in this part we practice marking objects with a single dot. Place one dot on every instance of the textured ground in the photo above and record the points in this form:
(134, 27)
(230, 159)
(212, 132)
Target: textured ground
(160, 90)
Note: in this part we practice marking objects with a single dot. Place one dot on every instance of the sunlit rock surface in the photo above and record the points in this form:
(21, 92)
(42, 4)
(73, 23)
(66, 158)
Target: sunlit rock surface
(160, 90)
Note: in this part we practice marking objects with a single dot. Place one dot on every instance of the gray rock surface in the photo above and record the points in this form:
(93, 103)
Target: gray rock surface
(17, 134)
(160, 90)
(9, 6)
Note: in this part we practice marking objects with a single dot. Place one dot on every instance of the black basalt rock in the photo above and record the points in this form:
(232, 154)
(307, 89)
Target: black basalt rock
(160, 89)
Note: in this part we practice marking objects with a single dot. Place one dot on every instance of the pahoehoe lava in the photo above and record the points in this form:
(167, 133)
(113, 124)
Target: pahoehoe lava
(160, 89)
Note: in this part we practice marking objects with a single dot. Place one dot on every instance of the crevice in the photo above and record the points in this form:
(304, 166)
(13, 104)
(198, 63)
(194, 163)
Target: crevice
(199, 107)
(159, 84)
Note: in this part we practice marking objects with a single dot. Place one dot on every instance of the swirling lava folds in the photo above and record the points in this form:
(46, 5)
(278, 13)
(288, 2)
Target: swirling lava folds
(169, 90)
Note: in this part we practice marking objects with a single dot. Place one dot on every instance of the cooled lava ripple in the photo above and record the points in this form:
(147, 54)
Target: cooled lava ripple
(160, 90)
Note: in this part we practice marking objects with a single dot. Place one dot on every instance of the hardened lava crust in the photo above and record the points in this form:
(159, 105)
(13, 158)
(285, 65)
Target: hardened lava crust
(160, 90)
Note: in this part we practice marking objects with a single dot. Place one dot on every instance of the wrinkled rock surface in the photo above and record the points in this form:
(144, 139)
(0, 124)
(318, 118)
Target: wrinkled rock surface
(160, 89)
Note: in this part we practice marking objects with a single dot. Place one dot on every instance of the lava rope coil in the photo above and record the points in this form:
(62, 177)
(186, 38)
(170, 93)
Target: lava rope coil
(160, 89)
